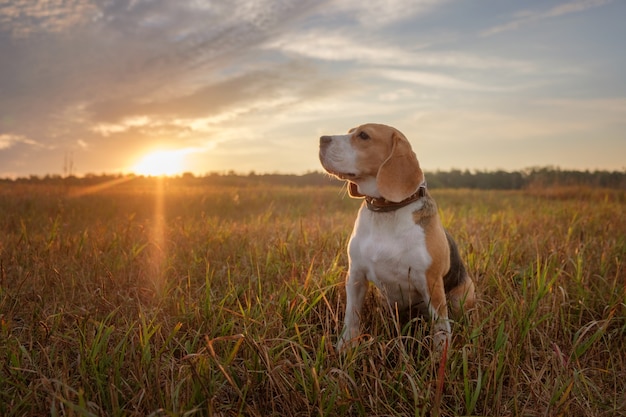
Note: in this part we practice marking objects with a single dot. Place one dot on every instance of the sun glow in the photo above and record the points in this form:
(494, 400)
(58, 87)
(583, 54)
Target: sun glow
(161, 163)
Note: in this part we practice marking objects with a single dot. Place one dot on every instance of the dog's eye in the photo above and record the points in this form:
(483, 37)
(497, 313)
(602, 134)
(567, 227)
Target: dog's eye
(364, 136)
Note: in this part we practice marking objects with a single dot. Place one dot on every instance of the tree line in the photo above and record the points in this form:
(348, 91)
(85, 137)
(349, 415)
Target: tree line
(483, 180)
(533, 177)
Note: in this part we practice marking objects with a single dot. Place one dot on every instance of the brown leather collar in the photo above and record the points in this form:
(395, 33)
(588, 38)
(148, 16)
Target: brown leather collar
(380, 205)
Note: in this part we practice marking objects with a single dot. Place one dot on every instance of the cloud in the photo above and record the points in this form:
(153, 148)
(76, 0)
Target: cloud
(396, 95)
(527, 17)
(107, 129)
(23, 18)
(336, 46)
(278, 84)
(7, 141)
(383, 12)
(438, 80)
(107, 63)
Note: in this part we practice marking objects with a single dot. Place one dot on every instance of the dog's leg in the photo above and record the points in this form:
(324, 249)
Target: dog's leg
(461, 298)
(356, 289)
(438, 310)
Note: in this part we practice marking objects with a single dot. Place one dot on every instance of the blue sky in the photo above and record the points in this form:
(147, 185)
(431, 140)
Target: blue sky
(251, 85)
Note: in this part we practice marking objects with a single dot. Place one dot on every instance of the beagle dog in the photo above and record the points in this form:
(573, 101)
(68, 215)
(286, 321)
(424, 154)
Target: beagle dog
(398, 242)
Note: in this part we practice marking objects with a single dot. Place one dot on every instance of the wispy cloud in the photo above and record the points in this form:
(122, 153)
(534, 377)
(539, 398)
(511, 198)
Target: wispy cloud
(23, 18)
(338, 47)
(429, 79)
(530, 16)
(123, 60)
(7, 141)
(279, 83)
(383, 12)
(341, 47)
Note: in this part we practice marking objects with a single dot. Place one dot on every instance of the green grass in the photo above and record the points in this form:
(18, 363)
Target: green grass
(180, 300)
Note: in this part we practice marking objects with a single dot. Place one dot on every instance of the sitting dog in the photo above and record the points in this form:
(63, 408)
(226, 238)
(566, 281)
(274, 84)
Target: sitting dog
(398, 242)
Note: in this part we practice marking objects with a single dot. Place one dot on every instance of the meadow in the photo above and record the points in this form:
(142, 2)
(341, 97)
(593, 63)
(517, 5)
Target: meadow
(165, 299)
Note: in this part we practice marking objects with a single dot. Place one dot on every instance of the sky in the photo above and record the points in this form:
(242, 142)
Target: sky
(162, 86)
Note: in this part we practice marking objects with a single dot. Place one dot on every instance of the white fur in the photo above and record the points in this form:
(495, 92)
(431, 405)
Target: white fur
(368, 187)
(339, 157)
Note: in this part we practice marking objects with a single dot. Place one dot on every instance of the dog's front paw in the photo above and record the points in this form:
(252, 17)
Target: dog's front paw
(347, 340)
(344, 345)
(441, 340)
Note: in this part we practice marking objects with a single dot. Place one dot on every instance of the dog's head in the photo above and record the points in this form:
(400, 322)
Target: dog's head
(376, 159)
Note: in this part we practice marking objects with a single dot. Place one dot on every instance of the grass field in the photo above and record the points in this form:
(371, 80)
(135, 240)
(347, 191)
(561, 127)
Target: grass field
(163, 299)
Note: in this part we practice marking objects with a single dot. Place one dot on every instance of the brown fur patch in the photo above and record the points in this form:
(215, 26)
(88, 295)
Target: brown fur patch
(457, 291)
(437, 246)
(428, 211)
(462, 298)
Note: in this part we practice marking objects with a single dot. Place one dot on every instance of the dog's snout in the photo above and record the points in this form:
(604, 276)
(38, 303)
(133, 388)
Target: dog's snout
(325, 140)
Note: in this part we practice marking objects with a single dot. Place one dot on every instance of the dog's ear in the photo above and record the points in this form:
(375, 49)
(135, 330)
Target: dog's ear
(400, 175)
(353, 190)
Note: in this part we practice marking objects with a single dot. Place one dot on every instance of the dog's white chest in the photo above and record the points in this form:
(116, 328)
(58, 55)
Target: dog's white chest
(390, 249)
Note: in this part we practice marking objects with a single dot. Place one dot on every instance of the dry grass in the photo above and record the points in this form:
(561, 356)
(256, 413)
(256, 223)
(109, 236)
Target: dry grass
(172, 300)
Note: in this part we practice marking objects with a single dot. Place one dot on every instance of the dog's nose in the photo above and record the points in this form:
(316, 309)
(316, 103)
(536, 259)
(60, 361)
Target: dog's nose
(325, 140)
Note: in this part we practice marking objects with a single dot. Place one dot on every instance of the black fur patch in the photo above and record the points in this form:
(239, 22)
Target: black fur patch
(457, 273)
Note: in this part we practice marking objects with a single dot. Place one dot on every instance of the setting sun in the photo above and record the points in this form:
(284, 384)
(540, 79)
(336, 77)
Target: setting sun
(161, 163)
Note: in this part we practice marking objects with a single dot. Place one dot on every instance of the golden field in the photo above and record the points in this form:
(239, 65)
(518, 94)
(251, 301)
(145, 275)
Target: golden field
(160, 297)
